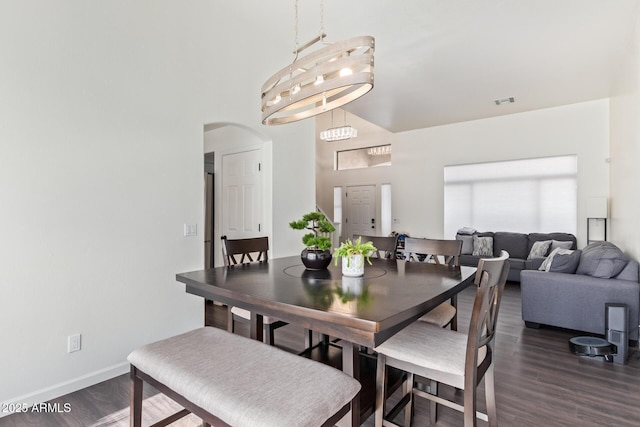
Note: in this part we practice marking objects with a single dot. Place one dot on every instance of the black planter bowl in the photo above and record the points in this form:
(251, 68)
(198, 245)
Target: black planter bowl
(316, 259)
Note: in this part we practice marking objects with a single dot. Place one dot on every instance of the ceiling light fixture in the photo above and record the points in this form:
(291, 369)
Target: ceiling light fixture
(380, 150)
(323, 80)
(338, 133)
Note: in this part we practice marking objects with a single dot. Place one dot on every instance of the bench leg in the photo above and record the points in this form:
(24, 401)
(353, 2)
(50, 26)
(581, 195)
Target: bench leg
(135, 405)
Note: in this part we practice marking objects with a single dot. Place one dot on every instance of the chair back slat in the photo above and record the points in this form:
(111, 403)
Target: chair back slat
(244, 249)
(490, 280)
(433, 249)
(386, 245)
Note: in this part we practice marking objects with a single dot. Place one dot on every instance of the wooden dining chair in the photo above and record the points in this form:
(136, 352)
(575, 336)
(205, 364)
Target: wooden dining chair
(386, 245)
(243, 251)
(432, 250)
(449, 357)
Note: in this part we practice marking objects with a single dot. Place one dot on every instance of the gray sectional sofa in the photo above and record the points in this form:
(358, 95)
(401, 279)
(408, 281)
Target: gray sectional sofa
(603, 274)
(519, 246)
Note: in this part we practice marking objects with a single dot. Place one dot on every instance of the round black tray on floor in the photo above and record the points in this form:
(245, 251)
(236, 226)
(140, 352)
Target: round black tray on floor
(590, 346)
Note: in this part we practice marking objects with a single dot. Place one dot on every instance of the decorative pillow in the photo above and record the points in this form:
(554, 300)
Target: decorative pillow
(539, 249)
(467, 230)
(546, 264)
(560, 244)
(565, 263)
(482, 246)
(467, 243)
(602, 259)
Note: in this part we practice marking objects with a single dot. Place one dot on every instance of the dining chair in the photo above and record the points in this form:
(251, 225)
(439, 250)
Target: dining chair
(433, 250)
(450, 357)
(385, 245)
(243, 251)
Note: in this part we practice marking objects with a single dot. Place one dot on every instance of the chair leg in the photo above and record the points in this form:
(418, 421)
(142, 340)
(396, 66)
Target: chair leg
(269, 334)
(230, 325)
(454, 321)
(470, 419)
(408, 390)
(381, 379)
(135, 407)
(433, 406)
(490, 393)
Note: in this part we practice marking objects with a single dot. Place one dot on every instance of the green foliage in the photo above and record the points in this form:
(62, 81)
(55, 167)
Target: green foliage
(348, 248)
(317, 223)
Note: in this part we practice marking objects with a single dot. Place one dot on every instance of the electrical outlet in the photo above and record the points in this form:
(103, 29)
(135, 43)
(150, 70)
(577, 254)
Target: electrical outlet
(74, 343)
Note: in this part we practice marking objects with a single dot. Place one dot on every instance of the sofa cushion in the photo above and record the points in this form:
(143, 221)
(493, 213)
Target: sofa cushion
(560, 244)
(482, 246)
(602, 259)
(546, 264)
(562, 237)
(467, 243)
(565, 262)
(514, 243)
(540, 249)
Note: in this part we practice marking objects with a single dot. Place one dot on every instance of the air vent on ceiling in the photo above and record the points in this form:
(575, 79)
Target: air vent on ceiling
(509, 100)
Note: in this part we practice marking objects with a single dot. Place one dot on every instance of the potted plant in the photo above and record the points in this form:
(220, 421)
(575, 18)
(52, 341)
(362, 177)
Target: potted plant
(316, 255)
(353, 255)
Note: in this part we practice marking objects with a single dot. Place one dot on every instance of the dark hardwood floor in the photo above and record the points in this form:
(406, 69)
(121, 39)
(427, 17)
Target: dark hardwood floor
(539, 382)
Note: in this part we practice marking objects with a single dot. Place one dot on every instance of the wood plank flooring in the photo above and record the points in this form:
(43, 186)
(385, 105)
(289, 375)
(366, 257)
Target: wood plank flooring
(539, 382)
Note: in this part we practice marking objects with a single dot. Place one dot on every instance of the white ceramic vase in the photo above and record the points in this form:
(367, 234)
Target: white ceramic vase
(353, 265)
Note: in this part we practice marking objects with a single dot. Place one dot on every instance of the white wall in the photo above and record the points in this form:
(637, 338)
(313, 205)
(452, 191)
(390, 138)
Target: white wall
(102, 109)
(624, 205)
(418, 158)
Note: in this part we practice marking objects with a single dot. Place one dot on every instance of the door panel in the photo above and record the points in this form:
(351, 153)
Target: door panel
(361, 210)
(241, 194)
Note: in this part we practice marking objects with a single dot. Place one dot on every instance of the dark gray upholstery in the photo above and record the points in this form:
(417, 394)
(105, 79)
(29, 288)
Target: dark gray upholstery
(565, 263)
(518, 245)
(576, 301)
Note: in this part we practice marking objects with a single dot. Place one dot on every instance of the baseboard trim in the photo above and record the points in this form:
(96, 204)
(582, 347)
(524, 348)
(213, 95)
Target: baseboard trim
(63, 388)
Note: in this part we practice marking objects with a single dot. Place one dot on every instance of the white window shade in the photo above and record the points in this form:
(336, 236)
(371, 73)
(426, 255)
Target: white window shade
(531, 195)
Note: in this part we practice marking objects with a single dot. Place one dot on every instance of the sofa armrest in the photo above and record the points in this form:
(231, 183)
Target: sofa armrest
(576, 301)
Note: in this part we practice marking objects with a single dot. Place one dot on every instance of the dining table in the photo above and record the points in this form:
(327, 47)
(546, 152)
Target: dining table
(362, 312)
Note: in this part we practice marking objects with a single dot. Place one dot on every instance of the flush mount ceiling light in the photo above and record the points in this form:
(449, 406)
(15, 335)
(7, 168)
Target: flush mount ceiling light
(323, 80)
(338, 133)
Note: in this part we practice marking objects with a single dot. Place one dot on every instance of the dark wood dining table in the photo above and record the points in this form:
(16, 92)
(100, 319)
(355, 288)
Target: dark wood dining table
(361, 311)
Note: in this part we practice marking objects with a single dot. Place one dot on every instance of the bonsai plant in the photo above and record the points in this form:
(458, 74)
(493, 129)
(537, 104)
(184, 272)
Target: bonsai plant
(353, 255)
(316, 255)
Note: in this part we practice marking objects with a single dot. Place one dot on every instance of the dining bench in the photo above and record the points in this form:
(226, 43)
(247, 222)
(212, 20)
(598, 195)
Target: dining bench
(230, 380)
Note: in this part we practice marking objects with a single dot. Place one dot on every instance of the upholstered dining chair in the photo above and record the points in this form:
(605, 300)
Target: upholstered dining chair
(432, 249)
(242, 251)
(386, 245)
(450, 357)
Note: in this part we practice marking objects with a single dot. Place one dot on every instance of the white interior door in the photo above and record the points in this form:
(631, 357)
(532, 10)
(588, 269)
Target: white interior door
(242, 194)
(361, 210)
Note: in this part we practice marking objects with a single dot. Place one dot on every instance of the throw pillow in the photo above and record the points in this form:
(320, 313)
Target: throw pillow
(602, 259)
(539, 249)
(482, 246)
(565, 263)
(467, 243)
(560, 244)
(467, 230)
(546, 264)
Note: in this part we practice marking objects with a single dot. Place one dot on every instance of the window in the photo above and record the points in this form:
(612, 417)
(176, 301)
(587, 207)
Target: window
(367, 157)
(531, 195)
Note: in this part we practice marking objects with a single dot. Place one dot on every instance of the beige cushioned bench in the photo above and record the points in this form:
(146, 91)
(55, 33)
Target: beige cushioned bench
(229, 379)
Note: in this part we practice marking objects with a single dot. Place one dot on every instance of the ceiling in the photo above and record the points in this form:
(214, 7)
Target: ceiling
(446, 61)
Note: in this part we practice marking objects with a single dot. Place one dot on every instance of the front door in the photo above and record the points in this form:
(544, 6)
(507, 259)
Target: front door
(242, 194)
(361, 211)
